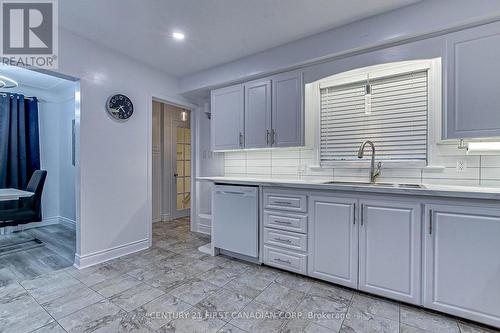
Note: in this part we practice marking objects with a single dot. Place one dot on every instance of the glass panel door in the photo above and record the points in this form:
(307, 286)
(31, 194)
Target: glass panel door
(183, 169)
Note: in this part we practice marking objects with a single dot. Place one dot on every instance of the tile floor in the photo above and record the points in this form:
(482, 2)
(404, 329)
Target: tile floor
(170, 287)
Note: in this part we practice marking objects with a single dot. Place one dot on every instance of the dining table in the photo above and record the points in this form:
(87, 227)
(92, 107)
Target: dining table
(13, 194)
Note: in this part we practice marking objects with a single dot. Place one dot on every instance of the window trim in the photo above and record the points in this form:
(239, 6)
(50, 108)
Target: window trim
(434, 125)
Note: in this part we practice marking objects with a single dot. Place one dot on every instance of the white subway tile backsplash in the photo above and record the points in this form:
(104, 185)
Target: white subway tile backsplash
(235, 169)
(258, 170)
(259, 154)
(490, 161)
(285, 153)
(235, 155)
(295, 163)
(490, 183)
(490, 173)
(451, 173)
(285, 170)
(234, 163)
(258, 163)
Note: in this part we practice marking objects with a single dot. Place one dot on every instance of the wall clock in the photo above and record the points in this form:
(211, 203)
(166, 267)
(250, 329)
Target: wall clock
(120, 107)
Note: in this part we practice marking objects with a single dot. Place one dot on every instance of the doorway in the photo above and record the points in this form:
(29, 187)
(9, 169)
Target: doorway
(47, 239)
(171, 162)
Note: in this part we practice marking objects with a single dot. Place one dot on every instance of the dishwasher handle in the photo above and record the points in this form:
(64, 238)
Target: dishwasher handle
(242, 191)
(231, 192)
(236, 193)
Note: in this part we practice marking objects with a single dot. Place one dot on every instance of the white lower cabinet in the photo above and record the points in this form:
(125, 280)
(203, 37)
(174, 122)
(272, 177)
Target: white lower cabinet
(462, 262)
(333, 240)
(390, 249)
(447, 259)
(289, 260)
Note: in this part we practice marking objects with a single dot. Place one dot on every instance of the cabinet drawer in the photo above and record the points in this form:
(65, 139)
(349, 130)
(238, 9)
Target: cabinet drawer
(285, 221)
(284, 259)
(285, 201)
(290, 240)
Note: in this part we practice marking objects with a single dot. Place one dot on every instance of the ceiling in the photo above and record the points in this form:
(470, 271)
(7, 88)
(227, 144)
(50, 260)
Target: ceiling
(217, 31)
(32, 79)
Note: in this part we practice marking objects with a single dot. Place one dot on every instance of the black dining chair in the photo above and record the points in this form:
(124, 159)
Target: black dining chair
(28, 209)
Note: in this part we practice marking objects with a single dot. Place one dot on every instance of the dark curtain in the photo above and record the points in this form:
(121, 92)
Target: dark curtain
(19, 140)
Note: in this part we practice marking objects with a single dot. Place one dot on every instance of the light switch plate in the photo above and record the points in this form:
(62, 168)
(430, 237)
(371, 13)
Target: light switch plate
(461, 165)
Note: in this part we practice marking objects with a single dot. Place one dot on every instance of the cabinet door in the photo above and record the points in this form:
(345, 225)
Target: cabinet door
(333, 240)
(462, 262)
(288, 110)
(390, 250)
(227, 121)
(473, 83)
(258, 114)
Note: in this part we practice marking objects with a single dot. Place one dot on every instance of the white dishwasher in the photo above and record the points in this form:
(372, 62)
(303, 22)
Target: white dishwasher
(235, 217)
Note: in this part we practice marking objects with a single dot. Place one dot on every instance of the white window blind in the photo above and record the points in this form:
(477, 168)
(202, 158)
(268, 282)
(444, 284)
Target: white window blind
(396, 121)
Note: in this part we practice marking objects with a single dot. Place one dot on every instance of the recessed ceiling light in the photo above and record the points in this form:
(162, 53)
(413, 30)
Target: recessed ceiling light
(178, 35)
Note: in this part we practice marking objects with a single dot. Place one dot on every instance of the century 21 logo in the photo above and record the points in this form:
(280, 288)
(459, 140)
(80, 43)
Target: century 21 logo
(28, 27)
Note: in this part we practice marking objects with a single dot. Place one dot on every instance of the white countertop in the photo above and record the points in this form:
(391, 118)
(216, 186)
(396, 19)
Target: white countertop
(469, 192)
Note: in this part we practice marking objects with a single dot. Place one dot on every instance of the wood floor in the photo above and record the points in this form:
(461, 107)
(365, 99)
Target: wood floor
(30, 260)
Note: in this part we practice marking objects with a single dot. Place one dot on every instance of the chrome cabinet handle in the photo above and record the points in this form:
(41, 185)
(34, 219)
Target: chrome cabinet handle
(354, 219)
(430, 222)
(267, 137)
(362, 214)
(283, 202)
(282, 222)
(273, 136)
(241, 139)
(284, 261)
(283, 240)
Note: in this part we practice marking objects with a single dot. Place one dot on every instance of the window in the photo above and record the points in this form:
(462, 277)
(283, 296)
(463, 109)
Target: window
(391, 111)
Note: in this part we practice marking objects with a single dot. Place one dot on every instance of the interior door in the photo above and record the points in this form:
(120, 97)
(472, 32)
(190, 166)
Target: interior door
(182, 168)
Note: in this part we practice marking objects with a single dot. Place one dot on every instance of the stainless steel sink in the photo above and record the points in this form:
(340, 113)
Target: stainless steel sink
(393, 185)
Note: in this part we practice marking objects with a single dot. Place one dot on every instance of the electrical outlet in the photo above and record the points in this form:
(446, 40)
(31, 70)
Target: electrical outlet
(461, 165)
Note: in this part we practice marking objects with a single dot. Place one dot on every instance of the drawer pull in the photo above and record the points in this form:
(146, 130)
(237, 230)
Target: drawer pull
(288, 262)
(283, 202)
(283, 240)
(283, 222)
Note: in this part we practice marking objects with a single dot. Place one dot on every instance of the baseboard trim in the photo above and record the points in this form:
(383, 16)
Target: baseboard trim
(68, 222)
(46, 222)
(204, 229)
(91, 259)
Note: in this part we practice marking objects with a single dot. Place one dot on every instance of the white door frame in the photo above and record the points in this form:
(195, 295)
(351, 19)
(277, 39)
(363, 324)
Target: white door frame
(149, 201)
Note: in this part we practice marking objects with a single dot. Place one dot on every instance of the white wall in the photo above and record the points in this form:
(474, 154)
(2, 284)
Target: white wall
(114, 203)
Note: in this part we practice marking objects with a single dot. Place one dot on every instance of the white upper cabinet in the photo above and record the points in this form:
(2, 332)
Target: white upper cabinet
(227, 125)
(473, 103)
(333, 240)
(288, 110)
(263, 113)
(462, 264)
(389, 249)
(258, 114)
